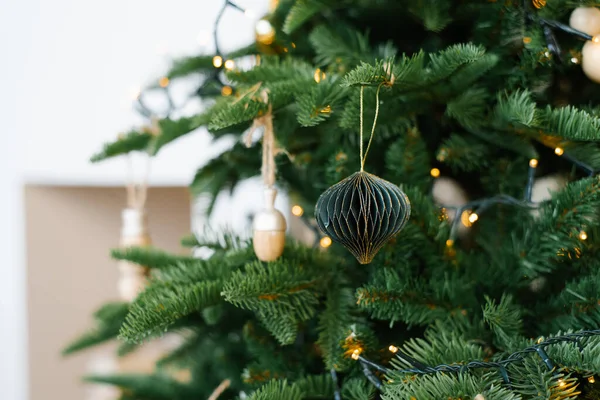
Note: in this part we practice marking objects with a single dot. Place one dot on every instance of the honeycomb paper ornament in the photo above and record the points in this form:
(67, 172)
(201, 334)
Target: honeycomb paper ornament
(362, 212)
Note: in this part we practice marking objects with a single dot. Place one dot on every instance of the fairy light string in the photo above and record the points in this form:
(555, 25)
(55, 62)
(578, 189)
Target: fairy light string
(518, 356)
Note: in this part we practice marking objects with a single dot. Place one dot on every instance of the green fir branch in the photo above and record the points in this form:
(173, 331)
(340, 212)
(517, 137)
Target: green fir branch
(316, 386)
(557, 228)
(332, 43)
(433, 14)
(155, 387)
(132, 141)
(504, 318)
(319, 103)
(189, 65)
(150, 257)
(109, 319)
(170, 130)
(277, 288)
(333, 324)
(358, 389)
(279, 390)
(446, 386)
(469, 107)
(301, 12)
(163, 303)
(463, 153)
(407, 160)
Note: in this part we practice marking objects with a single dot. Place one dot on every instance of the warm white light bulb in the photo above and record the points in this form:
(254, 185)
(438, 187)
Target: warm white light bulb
(325, 241)
(297, 210)
(264, 27)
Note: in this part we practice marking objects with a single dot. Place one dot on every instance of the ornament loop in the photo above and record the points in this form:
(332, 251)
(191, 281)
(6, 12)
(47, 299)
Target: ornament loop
(363, 159)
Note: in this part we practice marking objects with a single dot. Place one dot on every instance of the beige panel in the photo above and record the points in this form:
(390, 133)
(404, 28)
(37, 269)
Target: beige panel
(69, 231)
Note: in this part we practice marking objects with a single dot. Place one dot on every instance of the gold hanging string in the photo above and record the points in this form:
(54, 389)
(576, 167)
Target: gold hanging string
(362, 164)
(364, 158)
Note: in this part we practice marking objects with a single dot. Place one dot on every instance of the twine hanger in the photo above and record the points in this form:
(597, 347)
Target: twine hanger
(137, 193)
(270, 149)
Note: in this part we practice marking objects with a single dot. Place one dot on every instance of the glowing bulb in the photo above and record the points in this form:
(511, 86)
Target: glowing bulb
(325, 241)
(393, 348)
(540, 340)
(356, 354)
(596, 39)
(229, 64)
(319, 75)
(559, 151)
(297, 210)
(435, 172)
(539, 3)
(265, 33)
(163, 82)
(263, 27)
(449, 243)
(226, 91)
(533, 163)
(473, 217)
(561, 383)
(583, 235)
(217, 61)
(325, 110)
(591, 379)
(575, 60)
(464, 218)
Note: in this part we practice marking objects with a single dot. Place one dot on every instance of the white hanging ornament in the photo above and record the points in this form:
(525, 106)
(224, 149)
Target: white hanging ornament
(590, 60)
(269, 229)
(586, 19)
(132, 279)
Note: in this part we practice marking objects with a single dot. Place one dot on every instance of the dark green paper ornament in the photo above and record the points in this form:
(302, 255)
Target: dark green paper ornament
(363, 211)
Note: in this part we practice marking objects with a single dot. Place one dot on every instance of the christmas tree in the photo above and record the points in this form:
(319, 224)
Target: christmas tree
(496, 296)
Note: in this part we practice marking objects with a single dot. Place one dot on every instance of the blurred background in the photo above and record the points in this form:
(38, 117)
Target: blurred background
(70, 72)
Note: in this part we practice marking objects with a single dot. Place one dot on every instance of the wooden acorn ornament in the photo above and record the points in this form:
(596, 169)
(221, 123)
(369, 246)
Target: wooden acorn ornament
(269, 224)
(363, 211)
(269, 229)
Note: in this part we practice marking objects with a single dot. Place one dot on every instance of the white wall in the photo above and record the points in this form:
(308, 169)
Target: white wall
(66, 76)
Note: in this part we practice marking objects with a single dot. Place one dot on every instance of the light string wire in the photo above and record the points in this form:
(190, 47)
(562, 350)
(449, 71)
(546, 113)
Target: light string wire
(547, 26)
(481, 205)
(518, 356)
